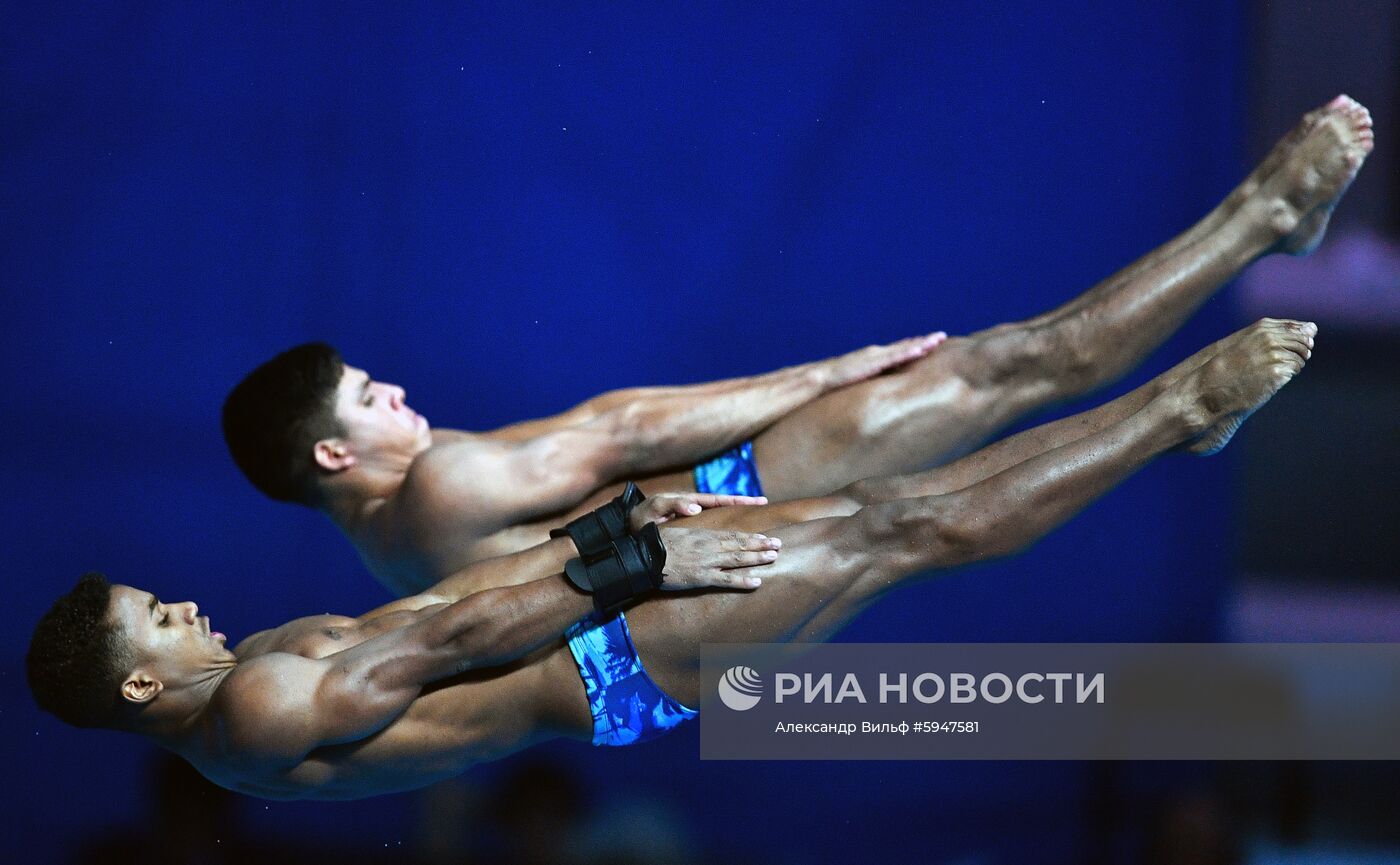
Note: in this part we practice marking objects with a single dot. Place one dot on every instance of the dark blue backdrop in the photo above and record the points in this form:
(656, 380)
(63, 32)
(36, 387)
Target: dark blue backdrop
(508, 209)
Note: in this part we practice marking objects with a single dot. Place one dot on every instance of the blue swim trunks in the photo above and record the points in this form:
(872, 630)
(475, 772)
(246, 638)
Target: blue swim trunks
(732, 472)
(627, 706)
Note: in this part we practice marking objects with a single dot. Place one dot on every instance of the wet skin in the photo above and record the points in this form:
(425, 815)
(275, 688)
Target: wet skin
(421, 505)
(336, 707)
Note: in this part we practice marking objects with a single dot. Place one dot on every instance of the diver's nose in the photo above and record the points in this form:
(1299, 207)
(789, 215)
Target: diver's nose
(191, 612)
(397, 396)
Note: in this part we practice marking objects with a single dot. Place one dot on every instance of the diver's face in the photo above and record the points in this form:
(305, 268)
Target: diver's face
(376, 417)
(172, 640)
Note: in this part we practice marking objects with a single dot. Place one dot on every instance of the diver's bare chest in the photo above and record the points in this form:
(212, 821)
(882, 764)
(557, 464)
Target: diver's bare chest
(309, 637)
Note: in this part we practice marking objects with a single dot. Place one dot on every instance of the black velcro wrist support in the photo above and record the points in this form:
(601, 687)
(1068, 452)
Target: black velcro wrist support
(632, 567)
(594, 532)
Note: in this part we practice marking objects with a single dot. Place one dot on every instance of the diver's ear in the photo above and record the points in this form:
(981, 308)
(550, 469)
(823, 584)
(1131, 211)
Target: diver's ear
(334, 455)
(139, 687)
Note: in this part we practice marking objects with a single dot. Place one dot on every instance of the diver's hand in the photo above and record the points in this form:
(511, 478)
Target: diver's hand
(720, 558)
(669, 506)
(868, 362)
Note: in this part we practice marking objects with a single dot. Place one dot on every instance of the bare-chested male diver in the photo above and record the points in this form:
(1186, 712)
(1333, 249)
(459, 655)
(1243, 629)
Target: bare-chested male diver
(335, 708)
(420, 504)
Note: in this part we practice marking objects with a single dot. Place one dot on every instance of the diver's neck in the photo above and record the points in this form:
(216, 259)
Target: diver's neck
(353, 502)
(185, 714)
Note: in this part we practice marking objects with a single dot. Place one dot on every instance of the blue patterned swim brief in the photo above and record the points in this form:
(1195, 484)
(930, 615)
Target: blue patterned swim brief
(732, 473)
(627, 706)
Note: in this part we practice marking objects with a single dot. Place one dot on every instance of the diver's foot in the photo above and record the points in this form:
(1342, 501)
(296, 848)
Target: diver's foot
(1295, 202)
(1275, 157)
(1247, 369)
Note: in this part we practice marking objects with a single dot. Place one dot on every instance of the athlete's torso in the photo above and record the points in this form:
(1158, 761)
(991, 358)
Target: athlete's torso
(409, 543)
(467, 719)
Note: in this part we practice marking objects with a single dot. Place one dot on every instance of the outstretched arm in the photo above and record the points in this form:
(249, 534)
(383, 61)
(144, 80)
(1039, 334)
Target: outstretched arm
(286, 705)
(658, 427)
(537, 468)
(695, 558)
(281, 706)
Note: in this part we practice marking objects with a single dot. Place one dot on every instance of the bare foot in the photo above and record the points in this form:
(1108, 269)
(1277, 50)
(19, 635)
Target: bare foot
(1306, 237)
(1195, 361)
(1247, 369)
(1272, 160)
(1297, 199)
(1275, 157)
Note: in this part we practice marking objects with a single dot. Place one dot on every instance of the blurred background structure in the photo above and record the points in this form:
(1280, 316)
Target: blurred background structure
(508, 208)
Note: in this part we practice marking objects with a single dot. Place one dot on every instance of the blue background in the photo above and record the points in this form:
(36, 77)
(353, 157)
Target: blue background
(508, 209)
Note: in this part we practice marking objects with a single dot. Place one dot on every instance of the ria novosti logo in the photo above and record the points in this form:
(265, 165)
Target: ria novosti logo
(740, 688)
